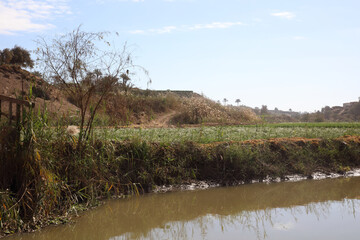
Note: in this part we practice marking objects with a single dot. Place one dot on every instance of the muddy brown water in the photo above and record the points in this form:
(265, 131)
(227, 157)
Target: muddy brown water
(312, 209)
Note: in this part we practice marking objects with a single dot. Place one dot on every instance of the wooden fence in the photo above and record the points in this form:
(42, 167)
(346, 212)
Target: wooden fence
(19, 108)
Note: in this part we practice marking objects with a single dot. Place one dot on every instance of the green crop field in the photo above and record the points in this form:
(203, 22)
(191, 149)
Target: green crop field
(232, 133)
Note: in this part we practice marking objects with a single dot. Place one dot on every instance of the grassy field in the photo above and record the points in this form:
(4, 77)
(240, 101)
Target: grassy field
(232, 133)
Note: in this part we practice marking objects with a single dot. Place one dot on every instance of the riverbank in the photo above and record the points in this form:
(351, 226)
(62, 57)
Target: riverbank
(201, 185)
(52, 181)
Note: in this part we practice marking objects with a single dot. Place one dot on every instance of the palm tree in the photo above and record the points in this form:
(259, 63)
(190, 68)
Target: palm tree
(225, 101)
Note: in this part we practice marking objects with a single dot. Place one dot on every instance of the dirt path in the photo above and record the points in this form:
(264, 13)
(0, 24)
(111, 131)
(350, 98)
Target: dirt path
(163, 120)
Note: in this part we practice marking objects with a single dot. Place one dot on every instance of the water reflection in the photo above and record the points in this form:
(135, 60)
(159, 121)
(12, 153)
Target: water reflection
(258, 211)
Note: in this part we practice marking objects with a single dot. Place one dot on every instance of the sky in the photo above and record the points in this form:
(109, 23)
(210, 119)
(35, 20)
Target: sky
(298, 54)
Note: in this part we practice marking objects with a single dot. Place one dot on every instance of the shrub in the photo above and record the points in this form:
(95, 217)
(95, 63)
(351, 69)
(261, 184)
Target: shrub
(40, 93)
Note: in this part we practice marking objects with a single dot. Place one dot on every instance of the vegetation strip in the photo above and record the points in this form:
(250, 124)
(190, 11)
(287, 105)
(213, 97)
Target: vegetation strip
(311, 125)
(56, 178)
(229, 133)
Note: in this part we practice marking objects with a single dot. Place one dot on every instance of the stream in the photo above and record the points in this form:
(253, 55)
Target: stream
(310, 209)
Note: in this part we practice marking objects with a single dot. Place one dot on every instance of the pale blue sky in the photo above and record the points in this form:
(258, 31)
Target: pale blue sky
(299, 54)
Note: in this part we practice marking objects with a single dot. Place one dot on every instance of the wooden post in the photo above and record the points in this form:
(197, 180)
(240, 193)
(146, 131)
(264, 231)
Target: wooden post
(23, 115)
(17, 115)
(10, 112)
(20, 106)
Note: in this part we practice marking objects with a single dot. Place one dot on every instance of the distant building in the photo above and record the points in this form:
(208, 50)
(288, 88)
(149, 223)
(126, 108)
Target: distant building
(349, 104)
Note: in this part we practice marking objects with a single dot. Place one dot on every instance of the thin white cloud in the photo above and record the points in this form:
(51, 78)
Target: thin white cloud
(215, 25)
(286, 15)
(29, 15)
(169, 29)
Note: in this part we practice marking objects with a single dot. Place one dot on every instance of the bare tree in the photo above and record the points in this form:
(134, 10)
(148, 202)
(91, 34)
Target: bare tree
(76, 63)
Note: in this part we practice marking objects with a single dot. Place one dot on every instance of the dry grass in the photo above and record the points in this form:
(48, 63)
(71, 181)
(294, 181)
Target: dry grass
(141, 109)
(197, 110)
(72, 130)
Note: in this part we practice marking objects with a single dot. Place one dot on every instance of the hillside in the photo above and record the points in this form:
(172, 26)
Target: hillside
(15, 82)
(348, 112)
(148, 108)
